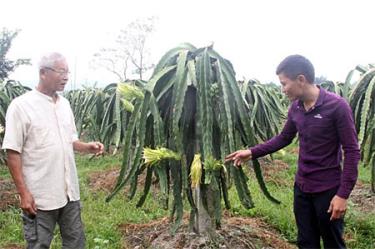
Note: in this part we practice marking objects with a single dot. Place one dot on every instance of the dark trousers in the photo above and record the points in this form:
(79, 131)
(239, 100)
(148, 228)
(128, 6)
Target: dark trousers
(310, 210)
(38, 230)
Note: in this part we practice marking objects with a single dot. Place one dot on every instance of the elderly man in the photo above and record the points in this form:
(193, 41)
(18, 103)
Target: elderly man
(40, 139)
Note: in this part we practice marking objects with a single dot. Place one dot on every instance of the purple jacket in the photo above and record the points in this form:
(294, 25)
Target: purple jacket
(323, 131)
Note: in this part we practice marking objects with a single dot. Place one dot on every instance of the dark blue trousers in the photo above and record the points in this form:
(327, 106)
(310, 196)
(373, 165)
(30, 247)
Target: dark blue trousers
(310, 210)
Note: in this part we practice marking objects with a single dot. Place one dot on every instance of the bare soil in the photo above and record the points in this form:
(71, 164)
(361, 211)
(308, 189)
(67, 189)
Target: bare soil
(235, 232)
(13, 246)
(363, 198)
(271, 169)
(8, 194)
(104, 180)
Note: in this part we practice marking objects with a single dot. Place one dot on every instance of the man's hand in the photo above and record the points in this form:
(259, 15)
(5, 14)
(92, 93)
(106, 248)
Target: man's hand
(28, 203)
(337, 208)
(239, 157)
(96, 148)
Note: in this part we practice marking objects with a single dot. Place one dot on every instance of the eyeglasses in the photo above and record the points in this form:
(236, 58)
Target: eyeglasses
(60, 72)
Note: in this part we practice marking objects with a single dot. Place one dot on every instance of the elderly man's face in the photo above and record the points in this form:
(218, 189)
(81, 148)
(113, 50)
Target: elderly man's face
(56, 77)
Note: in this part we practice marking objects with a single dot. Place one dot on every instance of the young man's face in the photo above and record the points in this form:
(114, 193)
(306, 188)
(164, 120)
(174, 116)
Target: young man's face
(291, 88)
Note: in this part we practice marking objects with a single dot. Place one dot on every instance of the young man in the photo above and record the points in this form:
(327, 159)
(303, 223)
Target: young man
(40, 137)
(325, 127)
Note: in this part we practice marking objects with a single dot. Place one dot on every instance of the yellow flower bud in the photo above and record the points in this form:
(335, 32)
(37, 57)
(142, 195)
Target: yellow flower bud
(196, 171)
(155, 156)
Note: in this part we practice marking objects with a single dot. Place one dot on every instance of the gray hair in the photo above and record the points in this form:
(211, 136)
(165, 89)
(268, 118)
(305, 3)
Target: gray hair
(50, 59)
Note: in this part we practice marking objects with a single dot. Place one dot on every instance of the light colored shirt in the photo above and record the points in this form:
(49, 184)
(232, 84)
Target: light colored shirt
(43, 132)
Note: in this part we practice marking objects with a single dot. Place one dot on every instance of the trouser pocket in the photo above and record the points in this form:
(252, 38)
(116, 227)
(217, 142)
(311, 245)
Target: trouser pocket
(29, 227)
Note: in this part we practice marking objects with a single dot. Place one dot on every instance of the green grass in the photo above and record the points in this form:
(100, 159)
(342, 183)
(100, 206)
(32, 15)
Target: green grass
(364, 174)
(10, 227)
(102, 219)
(4, 172)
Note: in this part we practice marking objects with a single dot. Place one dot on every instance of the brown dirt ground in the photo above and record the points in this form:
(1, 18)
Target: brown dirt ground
(8, 194)
(235, 232)
(106, 180)
(295, 150)
(13, 246)
(103, 180)
(362, 198)
(270, 170)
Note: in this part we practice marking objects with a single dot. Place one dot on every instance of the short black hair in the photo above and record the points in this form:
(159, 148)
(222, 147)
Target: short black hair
(295, 65)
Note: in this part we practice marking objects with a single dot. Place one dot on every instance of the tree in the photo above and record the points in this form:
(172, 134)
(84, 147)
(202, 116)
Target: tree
(129, 52)
(7, 66)
(362, 102)
(193, 106)
(8, 91)
(8, 88)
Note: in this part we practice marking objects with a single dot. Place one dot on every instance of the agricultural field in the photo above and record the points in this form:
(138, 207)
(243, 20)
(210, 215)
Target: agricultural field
(163, 173)
(119, 224)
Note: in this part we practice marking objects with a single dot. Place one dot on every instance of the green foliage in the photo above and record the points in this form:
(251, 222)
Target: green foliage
(100, 114)
(8, 91)
(267, 109)
(362, 102)
(341, 89)
(128, 93)
(7, 66)
(192, 105)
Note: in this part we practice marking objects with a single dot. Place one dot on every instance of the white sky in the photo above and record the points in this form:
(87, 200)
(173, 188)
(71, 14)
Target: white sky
(254, 35)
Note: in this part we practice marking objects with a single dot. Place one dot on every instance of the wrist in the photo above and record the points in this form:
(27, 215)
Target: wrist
(253, 153)
(341, 198)
(23, 192)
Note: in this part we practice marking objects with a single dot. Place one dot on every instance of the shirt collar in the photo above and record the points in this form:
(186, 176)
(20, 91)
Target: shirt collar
(48, 98)
(319, 101)
(322, 94)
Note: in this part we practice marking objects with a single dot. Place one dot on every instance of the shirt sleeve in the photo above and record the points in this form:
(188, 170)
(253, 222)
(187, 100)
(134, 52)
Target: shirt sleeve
(73, 125)
(278, 142)
(15, 128)
(349, 142)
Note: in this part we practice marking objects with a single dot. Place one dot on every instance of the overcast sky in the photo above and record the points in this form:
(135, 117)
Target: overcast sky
(254, 35)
